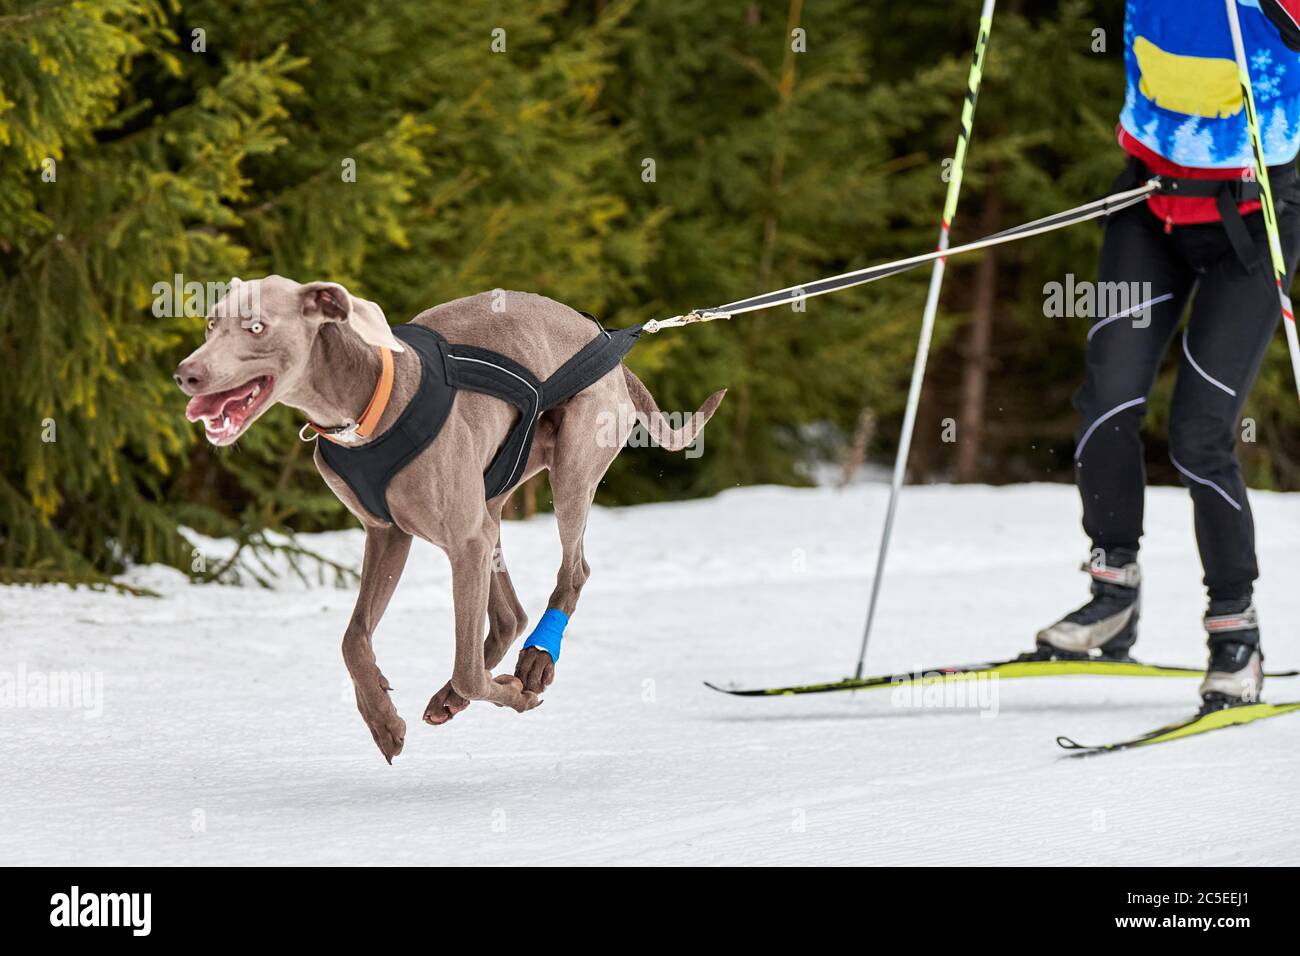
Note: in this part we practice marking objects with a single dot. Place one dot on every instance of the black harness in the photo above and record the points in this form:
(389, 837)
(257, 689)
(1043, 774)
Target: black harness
(1226, 193)
(445, 368)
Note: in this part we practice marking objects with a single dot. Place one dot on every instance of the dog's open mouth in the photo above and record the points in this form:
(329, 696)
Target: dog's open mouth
(226, 414)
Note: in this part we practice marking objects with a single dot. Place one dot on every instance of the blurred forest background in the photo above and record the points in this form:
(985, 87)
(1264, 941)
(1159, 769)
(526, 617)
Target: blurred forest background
(206, 138)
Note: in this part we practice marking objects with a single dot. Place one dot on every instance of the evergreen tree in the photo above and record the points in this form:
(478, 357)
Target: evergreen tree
(214, 140)
(100, 204)
(634, 159)
(780, 157)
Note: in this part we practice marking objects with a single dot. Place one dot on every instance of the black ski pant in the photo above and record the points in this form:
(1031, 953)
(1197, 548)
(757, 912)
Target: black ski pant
(1234, 316)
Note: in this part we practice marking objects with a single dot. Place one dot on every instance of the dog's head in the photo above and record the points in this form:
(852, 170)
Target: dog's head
(258, 347)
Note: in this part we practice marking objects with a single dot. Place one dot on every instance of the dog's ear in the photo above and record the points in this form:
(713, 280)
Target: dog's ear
(330, 302)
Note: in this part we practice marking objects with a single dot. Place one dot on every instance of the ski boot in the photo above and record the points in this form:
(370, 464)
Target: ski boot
(1105, 627)
(1235, 674)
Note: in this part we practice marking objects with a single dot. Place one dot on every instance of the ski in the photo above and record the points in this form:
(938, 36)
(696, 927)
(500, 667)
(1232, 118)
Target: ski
(1200, 724)
(1001, 669)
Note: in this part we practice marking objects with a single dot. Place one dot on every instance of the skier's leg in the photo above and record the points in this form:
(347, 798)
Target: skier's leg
(1233, 319)
(1123, 357)
(1125, 346)
(1221, 352)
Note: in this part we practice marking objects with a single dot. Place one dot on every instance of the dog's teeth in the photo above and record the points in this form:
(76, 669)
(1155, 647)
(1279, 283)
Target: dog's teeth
(257, 390)
(248, 401)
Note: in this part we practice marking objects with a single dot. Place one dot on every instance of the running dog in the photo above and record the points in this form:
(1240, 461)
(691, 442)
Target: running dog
(421, 459)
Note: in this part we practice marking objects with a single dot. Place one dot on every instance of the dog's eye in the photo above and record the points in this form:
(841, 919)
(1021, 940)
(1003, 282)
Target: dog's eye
(257, 328)
(212, 324)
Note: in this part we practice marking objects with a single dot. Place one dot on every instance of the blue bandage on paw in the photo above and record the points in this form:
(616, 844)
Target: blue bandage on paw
(549, 632)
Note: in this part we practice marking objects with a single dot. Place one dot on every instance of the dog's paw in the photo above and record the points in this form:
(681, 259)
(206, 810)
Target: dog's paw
(390, 735)
(444, 705)
(535, 669)
(519, 699)
(381, 717)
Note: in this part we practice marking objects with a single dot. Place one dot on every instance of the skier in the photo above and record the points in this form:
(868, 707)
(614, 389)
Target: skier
(1203, 239)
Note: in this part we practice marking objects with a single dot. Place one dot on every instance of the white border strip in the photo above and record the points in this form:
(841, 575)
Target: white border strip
(515, 470)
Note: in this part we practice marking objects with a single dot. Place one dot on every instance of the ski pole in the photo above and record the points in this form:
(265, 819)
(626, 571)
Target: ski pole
(927, 318)
(1261, 172)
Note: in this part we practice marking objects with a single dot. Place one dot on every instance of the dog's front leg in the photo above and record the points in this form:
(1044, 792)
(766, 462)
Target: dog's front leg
(381, 568)
(471, 569)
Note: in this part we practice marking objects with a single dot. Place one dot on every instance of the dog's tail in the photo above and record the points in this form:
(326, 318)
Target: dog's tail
(658, 426)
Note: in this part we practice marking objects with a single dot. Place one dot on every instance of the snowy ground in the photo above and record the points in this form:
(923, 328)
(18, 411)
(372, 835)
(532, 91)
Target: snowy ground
(228, 733)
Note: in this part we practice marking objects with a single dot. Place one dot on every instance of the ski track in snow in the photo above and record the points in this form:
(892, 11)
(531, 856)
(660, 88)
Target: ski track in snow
(229, 733)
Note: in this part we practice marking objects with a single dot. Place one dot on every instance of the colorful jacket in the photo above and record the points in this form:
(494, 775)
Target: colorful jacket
(1183, 113)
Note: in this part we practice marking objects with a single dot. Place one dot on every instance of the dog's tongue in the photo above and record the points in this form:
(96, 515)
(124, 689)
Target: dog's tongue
(206, 406)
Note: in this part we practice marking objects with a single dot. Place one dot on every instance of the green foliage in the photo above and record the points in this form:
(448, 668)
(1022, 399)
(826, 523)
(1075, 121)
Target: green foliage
(144, 139)
(225, 156)
(816, 170)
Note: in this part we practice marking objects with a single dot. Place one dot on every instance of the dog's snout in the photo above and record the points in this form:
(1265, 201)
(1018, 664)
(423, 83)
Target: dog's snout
(191, 376)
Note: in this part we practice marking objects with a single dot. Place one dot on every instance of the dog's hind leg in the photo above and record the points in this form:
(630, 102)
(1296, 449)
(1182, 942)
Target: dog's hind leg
(381, 568)
(506, 615)
(592, 431)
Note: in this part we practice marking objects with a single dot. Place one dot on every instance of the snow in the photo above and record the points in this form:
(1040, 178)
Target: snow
(228, 733)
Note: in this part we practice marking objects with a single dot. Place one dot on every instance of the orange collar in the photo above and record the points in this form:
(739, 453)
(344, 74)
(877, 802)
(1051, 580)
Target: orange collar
(365, 426)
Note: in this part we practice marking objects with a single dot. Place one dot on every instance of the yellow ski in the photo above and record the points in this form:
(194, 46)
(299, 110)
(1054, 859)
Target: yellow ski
(1200, 724)
(1100, 667)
